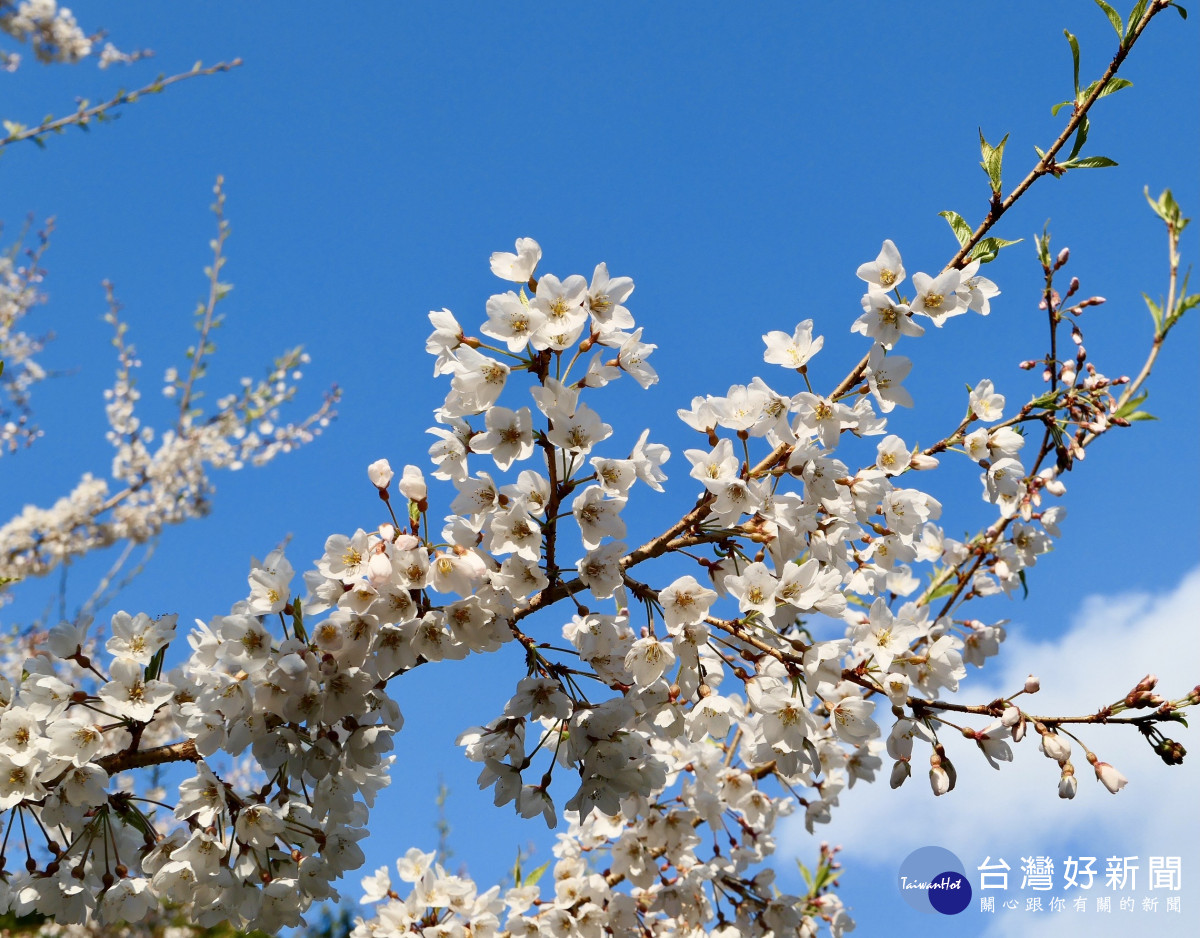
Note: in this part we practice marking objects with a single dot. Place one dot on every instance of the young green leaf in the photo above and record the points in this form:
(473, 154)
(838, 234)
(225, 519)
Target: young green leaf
(1043, 245)
(961, 229)
(987, 249)
(1080, 136)
(1134, 15)
(1115, 84)
(993, 157)
(1155, 313)
(536, 874)
(1131, 405)
(1074, 58)
(1113, 17)
(1089, 162)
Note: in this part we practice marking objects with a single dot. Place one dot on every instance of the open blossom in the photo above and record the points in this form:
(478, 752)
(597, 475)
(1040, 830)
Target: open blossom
(977, 291)
(139, 637)
(795, 350)
(986, 404)
(517, 267)
(937, 297)
(885, 319)
(648, 659)
(270, 584)
(884, 376)
(512, 320)
(685, 602)
(129, 694)
(886, 272)
(604, 298)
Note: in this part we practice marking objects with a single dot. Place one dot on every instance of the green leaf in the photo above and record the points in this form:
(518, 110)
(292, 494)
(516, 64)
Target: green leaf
(537, 874)
(1134, 15)
(1048, 401)
(1113, 17)
(993, 157)
(298, 618)
(1024, 585)
(987, 249)
(1089, 162)
(1081, 135)
(1155, 313)
(1058, 107)
(808, 880)
(1167, 209)
(1182, 11)
(1074, 57)
(1132, 404)
(1114, 85)
(961, 229)
(1043, 245)
(944, 590)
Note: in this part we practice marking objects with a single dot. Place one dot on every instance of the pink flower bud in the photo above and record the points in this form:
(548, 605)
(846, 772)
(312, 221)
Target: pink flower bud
(1011, 716)
(1032, 685)
(921, 461)
(1109, 777)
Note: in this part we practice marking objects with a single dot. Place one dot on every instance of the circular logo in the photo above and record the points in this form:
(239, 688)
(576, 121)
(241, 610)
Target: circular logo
(933, 879)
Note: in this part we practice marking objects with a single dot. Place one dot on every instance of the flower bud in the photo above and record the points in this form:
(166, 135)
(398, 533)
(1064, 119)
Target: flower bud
(901, 771)
(920, 461)
(1063, 256)
(1032, 685)
(1011, 716)
(1109, 777)
(380, 473)
(1067, 783)
(412, 484)
(942, 776)
(1056, 748)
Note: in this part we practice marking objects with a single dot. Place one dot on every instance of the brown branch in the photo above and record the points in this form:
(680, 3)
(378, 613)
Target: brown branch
(184, 751)
(86, 115)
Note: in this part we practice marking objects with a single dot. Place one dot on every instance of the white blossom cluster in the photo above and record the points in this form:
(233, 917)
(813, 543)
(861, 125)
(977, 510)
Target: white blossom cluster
(53, 34)
(159, 479)
(672, 739)
(18, 295)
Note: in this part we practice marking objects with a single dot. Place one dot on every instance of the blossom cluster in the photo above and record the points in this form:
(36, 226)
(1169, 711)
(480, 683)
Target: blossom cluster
(53, 34)
(646, 714)
(157, 478)
(19, 293)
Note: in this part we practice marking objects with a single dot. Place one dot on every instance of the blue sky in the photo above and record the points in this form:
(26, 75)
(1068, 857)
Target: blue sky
(738, 163)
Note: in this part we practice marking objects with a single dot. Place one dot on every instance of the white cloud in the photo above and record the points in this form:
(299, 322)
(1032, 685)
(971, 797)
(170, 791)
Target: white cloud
(1113, 642)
